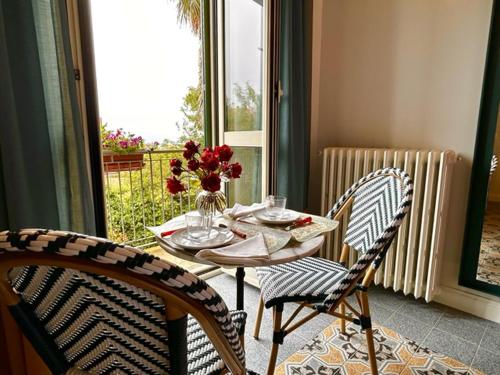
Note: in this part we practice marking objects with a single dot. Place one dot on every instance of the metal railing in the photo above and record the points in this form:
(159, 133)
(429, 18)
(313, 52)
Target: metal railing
(136, 195)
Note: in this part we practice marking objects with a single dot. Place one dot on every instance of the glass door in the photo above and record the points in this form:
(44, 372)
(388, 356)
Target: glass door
(243, 122)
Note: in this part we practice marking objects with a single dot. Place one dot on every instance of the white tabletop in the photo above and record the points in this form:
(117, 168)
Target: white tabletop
(295, 250)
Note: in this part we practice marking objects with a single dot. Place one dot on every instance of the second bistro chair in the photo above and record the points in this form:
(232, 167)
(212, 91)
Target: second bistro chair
(88, 305)
(378, 203)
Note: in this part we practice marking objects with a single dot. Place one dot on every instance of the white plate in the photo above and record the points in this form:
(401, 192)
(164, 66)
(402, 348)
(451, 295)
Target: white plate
(222, 237)
(288, 217)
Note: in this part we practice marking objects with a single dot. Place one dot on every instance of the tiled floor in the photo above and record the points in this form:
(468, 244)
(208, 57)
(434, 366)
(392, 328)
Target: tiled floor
(488, 269)
(469, 339)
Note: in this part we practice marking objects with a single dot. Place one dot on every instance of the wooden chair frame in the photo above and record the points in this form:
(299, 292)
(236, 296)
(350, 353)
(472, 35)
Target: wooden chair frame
(361, 317)
(178, 305)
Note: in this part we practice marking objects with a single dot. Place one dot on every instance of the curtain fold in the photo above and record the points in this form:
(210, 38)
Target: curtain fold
(293, 131)
(43, 176)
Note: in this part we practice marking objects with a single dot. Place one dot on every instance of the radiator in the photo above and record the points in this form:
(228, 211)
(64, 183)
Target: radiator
(412, 263)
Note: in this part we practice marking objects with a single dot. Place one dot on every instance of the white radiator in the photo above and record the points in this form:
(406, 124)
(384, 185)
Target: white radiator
(412, 263)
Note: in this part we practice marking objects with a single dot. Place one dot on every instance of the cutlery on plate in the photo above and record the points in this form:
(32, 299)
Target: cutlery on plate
(169, 232)
(235, 231)
(299, 223)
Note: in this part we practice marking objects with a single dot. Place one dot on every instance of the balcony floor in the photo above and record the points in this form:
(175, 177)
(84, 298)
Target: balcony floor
(470, 340)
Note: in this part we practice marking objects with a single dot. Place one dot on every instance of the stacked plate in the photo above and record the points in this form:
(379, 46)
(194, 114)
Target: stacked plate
(216, 238)
(287, 217)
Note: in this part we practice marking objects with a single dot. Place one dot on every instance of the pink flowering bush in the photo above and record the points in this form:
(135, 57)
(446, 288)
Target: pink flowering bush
(121, 142)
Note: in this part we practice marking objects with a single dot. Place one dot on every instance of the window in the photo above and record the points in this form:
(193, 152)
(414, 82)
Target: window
(243, 92)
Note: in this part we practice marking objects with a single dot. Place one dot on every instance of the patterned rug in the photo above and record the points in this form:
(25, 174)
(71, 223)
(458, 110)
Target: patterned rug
(488, 269)
(332, 353)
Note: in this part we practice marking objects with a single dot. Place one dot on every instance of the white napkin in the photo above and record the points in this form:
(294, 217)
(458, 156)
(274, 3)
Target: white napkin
(250, 252)
(240, 210)
(178, 222)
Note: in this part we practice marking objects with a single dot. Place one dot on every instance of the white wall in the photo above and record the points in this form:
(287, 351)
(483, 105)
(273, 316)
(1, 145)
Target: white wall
(399, 73)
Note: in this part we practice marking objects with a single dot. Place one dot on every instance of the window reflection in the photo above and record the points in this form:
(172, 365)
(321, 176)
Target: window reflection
(243, 64)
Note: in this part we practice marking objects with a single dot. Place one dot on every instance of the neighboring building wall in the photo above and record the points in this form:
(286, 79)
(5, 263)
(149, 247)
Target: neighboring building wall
(402, 74)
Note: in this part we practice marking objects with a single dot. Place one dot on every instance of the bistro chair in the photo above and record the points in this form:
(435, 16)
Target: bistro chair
(377, 204)
(88, 305)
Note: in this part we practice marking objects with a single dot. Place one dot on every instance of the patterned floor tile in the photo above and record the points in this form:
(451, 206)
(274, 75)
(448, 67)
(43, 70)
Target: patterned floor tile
(333, 353)
(488, 269)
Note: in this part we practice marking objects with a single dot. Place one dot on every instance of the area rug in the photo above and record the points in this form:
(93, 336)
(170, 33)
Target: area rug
(332, 353)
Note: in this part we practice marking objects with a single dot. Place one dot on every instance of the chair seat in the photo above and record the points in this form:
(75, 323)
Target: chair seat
(308, 279)
(202, 356)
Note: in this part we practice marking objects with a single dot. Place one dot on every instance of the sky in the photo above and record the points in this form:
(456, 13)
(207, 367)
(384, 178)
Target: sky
(244, 43)
(145, 62)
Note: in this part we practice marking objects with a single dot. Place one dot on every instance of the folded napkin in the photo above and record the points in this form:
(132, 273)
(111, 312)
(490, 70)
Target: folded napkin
(178, 222)
(240, 210)
(250, 252)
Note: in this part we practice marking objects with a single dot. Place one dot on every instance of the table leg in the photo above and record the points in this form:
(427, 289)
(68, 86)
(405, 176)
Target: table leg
(240, 285)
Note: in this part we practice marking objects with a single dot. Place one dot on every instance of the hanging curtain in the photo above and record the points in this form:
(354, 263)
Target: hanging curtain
(43, 176)
(293, 132)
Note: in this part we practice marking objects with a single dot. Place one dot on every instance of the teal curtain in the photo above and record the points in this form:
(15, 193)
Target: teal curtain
(293, 132)
(44, 180)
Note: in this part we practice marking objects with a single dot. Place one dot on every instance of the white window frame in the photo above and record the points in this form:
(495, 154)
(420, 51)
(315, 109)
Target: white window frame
(254, 138)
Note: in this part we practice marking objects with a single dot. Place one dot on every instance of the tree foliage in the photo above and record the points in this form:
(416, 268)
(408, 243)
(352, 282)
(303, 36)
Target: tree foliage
(189, 13)
(137, 199)
(244, 111)
(192, 110)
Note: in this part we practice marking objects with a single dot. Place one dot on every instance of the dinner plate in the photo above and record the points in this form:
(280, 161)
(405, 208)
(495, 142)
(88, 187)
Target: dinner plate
(222, 237)
(288, 217)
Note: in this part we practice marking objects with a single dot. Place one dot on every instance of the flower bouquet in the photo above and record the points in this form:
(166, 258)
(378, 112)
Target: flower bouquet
(211, 167)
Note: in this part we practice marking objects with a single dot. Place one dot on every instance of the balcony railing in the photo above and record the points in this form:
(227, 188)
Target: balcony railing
(136, 196)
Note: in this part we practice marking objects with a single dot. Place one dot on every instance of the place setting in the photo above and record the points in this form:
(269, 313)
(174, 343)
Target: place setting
(273, 217)
(242, 235)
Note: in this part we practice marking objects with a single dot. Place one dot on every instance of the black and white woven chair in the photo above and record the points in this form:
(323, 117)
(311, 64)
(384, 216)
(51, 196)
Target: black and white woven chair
(378, 203)
(88, 304)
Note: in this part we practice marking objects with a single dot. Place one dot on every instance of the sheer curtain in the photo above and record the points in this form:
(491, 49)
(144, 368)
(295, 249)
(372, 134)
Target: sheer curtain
(293, 134)
(43, 176)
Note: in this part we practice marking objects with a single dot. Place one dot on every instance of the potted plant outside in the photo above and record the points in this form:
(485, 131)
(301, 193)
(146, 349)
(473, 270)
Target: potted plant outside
(122, 151)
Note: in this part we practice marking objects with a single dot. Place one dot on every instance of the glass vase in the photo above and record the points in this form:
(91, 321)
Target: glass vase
(208, 203)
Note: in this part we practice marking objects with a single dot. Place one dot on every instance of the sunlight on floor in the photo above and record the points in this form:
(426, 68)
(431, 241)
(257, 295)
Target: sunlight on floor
(160, 253)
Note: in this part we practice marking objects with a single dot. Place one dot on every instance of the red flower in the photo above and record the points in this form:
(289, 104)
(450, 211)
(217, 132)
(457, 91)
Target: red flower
(190, 149)
(191, 145)
(224, 152)
(175, 163)
(176, 171)
(174, 185)
(208, 160)
(193, 165)
(236, 170)
(210, 164)
(207, 153)
(211, 182)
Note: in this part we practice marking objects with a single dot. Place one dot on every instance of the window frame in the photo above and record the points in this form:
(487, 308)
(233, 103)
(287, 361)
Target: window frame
(270, 93)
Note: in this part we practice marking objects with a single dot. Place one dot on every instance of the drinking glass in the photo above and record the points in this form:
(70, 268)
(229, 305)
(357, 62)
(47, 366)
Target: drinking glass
(198, 227)
(275, 206)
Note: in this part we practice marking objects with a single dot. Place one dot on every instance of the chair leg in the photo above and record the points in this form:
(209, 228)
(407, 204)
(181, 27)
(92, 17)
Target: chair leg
(242, 341)
(368, 333)
(342, 320)
(277, 338)
(258, 319)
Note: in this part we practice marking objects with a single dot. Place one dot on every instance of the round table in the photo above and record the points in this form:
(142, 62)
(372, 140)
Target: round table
(287, 254)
